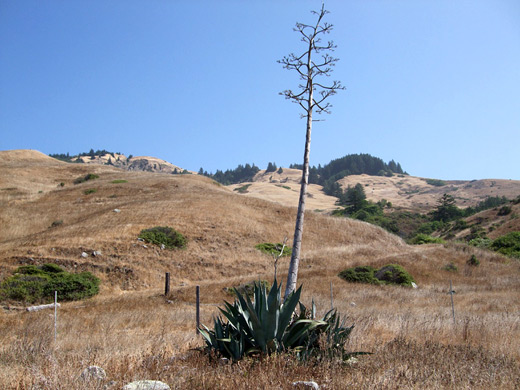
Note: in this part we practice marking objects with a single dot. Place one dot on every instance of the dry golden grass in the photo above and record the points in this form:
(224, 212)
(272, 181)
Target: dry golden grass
(134, 333)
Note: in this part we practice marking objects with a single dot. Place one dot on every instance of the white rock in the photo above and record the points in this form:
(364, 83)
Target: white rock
(414, 285)
(117, 211)
(146, 385)
(353, 304)
(84, 254)
(96, 253)
(306, 385)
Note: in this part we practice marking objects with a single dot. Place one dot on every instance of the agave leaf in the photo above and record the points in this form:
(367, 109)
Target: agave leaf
(287, 311)
(257, 332)
(272, 318)
(300, 330)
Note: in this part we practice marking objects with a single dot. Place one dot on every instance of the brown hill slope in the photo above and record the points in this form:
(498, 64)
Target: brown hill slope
(222, 227)
(406, 192)
(415, 193)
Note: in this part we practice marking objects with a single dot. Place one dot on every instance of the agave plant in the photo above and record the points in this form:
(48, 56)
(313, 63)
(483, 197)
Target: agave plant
(266, 325)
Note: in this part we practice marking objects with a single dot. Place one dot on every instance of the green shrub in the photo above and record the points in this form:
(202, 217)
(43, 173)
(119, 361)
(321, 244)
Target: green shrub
(274, 249)
(436, 182)
(389, 274)
(247, 288)
(90, 191)
(508, 244)
(421, 239)
(243, 189)
(451, 267)
(480, 242)
(360, 274)
(164, 235)
(57, 223)
(504, 210)
(33, 284)
(82, 179)
(473, 261)
(119, 181)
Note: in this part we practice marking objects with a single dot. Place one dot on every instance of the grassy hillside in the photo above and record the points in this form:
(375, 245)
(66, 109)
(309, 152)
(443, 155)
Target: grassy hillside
(135, 333)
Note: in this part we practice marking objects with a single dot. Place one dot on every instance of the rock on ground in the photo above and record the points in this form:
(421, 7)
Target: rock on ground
(146, 385)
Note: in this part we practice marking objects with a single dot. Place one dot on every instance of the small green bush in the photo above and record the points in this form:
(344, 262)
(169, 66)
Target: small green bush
(33, 284)
(451, 267)
(119, 181)
(164, 235)
(57, 223)
(480, 242)
(473, 261)
(421, 239)
(504, 210)
(389, 274)
(243, 189)
(508, 244)
(90, 191)
(274, 249)
(361, 274)
(82, 179)
(247, 288)
(436, 182)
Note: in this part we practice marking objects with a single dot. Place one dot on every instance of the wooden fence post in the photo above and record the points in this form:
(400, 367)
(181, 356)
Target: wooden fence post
(167, 284)
(197, 304)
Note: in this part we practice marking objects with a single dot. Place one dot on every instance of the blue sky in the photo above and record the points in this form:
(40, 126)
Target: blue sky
(434, 85)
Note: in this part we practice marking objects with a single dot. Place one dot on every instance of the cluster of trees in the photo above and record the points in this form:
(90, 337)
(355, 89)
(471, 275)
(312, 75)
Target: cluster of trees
(352, 164)
(240, 174)
(92, 154)
(357, 206)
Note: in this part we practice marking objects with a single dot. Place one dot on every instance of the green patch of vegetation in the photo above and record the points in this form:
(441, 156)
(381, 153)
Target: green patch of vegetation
(435, 182)
(480, 242)
(164, 235)
(508, 244)
(32, 284)
(473, 261)
(243, 189)
(247, 288)
(421, 239)
(90, 191)
(274, 249)
(119, 181)
(283, 186)
(504, 210)
(450, 267)
(57, 223)
(87, 177)
(389, 274)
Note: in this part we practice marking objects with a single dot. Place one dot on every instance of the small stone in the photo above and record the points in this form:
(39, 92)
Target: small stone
(140, 239)
(96, 253)
(306, 385)
(84, 254)
(414, 285)
(353, 304)
(93, 373)
(146, 385)
(117, 211)
(145, 247)
(163, 246)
